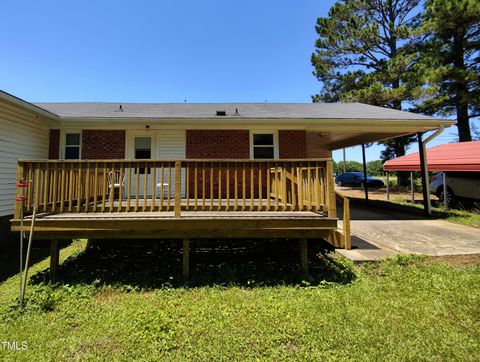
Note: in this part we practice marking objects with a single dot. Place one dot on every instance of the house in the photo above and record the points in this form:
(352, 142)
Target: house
(189, 170)
(24, 134)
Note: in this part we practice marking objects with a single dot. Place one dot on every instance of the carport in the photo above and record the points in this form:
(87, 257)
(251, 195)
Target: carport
(450, 157)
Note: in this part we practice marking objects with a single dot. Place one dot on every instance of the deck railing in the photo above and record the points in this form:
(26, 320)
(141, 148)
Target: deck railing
(195, 185)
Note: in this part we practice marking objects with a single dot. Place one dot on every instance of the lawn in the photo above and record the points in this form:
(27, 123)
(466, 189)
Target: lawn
(118, 305)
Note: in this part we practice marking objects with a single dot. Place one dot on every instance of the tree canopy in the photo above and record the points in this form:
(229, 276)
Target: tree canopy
(365, 52)
(449, 60)
(413, 55)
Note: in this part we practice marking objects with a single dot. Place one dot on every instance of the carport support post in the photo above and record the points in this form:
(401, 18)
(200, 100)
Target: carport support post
(365, 186)
(388, 185)
(412, 189)
(445, 190)
(427, 207)
(54, 258)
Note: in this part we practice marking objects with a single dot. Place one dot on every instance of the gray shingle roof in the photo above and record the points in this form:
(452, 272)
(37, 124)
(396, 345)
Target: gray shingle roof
(245, 110)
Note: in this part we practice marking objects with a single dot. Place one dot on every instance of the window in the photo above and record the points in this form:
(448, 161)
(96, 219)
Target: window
(72, 146)
(263, 146)
(143, 151)
(143, 148)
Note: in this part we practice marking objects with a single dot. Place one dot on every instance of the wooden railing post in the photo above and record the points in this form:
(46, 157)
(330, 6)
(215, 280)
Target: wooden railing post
(178, 189)
(19, 191)
(339, 239)
(331, 199)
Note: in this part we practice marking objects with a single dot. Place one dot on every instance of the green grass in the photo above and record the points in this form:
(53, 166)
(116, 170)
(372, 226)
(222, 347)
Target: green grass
(462, 217)
(407, 308)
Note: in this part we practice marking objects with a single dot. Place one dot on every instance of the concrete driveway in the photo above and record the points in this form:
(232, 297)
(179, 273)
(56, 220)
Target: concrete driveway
(378, 233)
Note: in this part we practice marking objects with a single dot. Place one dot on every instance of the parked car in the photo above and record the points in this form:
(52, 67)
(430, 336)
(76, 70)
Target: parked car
(459, 185)
(357, 179)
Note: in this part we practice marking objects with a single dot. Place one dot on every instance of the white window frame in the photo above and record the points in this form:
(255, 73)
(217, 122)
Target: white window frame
(63, 141)
(275, 143)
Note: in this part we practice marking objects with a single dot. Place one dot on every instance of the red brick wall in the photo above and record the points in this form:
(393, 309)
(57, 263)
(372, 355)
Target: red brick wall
(235, 144)
(103, 144)
(54, 144)
(218, 144)
(292, 144)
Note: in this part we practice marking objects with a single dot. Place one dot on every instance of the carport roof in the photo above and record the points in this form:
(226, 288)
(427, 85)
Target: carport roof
(463, 156)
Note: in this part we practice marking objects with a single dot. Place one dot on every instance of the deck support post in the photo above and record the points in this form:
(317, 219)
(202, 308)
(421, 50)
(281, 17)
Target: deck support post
(186, 259)
(54, 259)
(304, 255)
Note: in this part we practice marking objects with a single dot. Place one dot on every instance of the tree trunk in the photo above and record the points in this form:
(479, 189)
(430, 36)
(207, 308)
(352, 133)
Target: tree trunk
(403, 177)
(461, 103)
(463, 122)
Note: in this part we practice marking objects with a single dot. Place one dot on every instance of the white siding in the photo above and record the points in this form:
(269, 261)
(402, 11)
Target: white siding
(23, 135)
(171, 146)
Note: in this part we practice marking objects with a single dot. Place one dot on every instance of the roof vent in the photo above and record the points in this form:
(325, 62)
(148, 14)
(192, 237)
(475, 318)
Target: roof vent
(221, 113)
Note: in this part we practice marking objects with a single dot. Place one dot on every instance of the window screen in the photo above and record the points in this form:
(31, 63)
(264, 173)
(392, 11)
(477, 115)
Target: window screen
(72, 146)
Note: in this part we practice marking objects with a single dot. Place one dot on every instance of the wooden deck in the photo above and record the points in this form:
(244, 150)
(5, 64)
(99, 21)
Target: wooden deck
(188, 198)
(153, 199)
(192, 224)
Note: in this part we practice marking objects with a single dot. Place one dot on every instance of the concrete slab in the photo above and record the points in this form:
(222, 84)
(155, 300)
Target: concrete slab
(363, 251)
(395, 232)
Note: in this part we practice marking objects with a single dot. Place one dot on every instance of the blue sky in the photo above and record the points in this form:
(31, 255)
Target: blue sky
(163, 51)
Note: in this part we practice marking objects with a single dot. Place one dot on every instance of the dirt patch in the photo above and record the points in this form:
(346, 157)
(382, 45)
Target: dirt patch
(397, 194)
(459, 260)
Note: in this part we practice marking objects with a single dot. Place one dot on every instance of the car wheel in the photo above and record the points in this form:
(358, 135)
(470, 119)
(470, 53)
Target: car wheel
(362, 185)
(450, 195)
(339, 183)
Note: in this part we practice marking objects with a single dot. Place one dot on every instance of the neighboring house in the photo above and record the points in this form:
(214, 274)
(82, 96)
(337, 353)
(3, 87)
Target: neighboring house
(296, 139)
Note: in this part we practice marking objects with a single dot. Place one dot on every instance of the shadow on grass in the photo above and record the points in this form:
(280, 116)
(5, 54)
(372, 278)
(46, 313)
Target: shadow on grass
(248, 263)
(10, 255)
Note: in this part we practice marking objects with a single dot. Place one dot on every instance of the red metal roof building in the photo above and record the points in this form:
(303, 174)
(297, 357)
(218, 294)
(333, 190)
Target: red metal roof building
(462, 156)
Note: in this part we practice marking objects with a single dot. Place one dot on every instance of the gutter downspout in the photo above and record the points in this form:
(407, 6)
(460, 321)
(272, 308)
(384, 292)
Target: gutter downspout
(424, 167)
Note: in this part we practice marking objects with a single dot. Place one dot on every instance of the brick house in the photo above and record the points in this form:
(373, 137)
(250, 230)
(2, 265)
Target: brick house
(135, 131)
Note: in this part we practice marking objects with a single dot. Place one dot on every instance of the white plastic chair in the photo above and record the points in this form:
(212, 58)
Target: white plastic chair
(115, 180)
(163, 189)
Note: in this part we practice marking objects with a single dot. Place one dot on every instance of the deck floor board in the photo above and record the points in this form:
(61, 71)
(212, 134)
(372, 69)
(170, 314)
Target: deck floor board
(196, 224)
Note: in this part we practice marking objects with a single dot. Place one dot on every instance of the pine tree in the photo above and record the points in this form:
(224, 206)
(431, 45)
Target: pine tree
(365, 53)
(450, 61)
